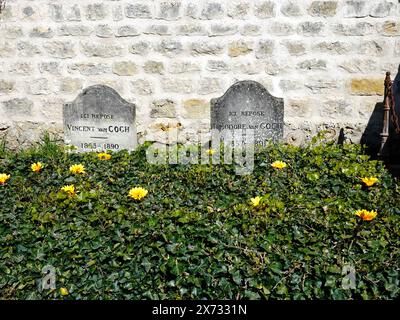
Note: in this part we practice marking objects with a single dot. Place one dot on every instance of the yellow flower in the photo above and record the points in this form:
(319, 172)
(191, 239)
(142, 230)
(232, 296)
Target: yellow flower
(3, 178)
(366, 215)
(369, 182)
(138, 193)
(278, 165)
(255, 201)
(64, 291)
(70, 190)
(36, 167)
(77, 168)
(210, 152)
(104, 156)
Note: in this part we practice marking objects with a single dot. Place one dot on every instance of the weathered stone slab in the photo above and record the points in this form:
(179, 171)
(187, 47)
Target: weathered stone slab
(248, 105)
(99, 119)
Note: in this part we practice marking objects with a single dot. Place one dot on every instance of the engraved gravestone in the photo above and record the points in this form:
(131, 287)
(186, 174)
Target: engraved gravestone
(98, 120)
(248, 105)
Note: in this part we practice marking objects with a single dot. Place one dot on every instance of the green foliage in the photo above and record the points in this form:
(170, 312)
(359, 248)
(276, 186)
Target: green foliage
(196, 235)
(3, 151)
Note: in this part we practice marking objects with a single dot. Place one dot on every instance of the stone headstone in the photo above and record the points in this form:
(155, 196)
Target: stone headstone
(98, 120)
(248, 105)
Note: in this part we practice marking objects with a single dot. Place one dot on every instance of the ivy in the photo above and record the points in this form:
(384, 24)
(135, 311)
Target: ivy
(196, 234)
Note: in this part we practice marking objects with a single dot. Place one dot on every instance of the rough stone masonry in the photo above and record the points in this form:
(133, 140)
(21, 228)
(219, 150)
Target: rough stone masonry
(327, 59)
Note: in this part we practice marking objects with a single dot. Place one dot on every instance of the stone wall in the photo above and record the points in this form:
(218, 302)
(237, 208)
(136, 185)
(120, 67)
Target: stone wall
(327, 59)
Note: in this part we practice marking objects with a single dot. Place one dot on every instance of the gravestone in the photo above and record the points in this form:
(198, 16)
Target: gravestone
(248, 105)
(98, 120)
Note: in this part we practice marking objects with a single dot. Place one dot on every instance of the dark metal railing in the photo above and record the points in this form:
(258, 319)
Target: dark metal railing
(389, 114)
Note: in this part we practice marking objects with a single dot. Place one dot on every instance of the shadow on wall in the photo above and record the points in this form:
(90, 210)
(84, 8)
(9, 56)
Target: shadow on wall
(371, 137)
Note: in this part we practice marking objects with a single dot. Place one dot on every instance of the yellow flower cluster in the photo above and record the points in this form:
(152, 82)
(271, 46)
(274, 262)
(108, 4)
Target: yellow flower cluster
(3, 178)
(369, 182)
(363, 214)
(138, 193)
(104, 156)
(366, 215)
(36, 167)
(255, 201)
(64, 291)
(77, 169)
(279, 165)
(70, 190)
